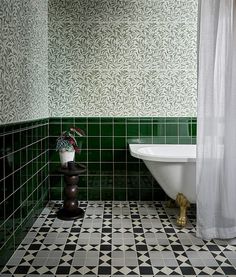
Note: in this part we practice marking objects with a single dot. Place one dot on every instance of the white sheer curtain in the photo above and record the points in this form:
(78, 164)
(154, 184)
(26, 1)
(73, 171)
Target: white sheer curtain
(216, 142)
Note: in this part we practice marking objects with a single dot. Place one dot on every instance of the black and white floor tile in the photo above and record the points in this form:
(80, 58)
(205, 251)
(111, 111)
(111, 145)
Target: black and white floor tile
(119, 239)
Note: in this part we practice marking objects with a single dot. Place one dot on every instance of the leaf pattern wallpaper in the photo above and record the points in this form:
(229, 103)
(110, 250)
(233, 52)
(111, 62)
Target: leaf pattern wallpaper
(122, 57)
(23, 60)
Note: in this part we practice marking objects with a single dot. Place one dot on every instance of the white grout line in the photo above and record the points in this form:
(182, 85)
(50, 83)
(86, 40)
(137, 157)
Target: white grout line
(24, 201)
(87, 160)
(31, 177)
(12, 173)
(22, 129)
(28, 145)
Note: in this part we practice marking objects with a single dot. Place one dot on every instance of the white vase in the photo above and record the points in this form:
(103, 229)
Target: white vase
(66, 156)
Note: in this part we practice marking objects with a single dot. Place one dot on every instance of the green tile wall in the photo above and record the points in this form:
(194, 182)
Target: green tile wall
(112, 174)
(23, 180)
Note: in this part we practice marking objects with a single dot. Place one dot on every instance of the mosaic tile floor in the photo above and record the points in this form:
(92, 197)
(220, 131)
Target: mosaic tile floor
(119, 239)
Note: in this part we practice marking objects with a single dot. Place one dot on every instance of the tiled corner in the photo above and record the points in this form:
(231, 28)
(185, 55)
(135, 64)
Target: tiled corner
(112, 174)
(23, 179)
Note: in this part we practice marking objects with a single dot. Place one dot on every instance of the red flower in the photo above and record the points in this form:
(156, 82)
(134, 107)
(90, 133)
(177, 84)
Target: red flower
(71, 141)
(77, 150)
(78, 131)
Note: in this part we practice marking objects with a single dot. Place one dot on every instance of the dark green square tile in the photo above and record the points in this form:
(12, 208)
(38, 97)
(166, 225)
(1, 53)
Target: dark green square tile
(120, 195)
(93, 130)
(184, 130)
(133, 182)
(194, 130)
(16, 141)
(9, 140)
(119, 181)
(146, 194)
(52, 143)
(107, 181)
(106, 168)
(54, 156)
(107, 194)
(133, 169)
(83, 194)
(94, 142)
(119, 156)
(159, 130)
(107, 155)
(159, 194)
(24, 138)
(9, 185)
(120, 143)
(119, 168)
(145, 182)
(133, 194)
(82, 156)
(94, 168)
(56, 181)
(146, 129)
(132, 130)
(106, 129)
(107, 143)
(119, 130)
(55, 130)
(17, 160)
(94, 181)
(171, 129)
(56, 193)
(9, 206)
(94, 194)
(83, 181)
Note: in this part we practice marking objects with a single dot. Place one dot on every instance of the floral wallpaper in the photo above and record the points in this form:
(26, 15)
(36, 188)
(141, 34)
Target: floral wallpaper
(122, 57)
(23, 60)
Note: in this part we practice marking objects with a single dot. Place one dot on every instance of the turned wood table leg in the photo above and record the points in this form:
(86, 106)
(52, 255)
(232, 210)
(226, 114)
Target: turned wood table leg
(71, 209)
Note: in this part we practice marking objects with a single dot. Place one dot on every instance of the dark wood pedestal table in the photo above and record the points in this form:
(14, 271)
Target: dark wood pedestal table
(71, 209)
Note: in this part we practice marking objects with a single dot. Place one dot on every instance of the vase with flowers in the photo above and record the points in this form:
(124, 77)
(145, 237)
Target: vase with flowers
(68, 146)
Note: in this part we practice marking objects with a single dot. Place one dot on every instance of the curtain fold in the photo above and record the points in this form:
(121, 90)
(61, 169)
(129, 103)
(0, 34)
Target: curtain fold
(216, 138)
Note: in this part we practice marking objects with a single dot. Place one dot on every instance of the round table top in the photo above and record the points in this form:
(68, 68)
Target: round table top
(78, 169)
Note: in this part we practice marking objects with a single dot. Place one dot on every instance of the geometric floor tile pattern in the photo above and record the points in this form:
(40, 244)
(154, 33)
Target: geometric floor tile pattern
(119, 239)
